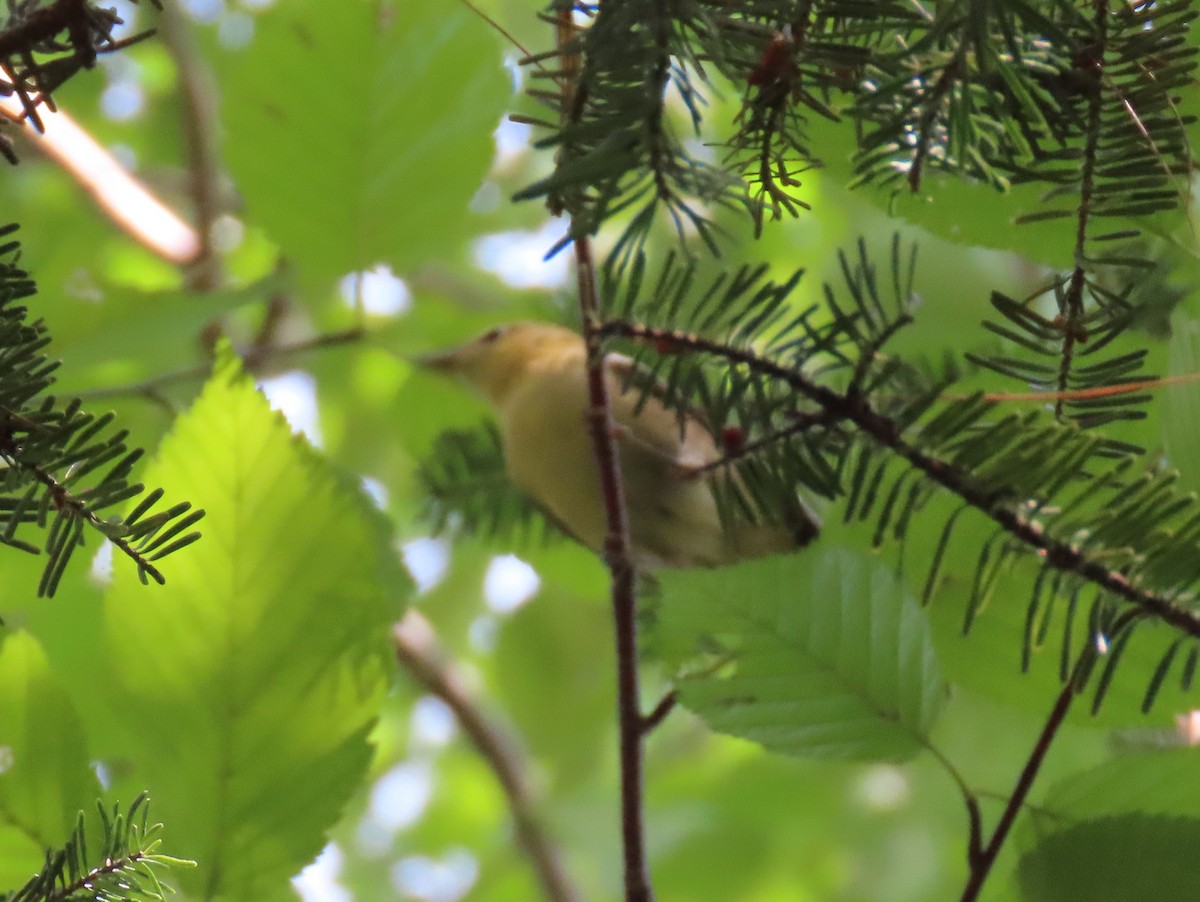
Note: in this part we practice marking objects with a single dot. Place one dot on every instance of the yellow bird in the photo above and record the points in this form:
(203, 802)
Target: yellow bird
(534, 377)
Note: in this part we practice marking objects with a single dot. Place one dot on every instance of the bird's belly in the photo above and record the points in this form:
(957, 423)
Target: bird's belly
(672, 519)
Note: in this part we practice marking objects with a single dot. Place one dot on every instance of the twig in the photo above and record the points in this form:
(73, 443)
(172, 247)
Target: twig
(200, 128)
(612, 492)
(664, 707)
(1057, 554)
(255, 359)
(982, 859)
(1073, 307)
(624, 593)
(63, 498)
(801, 423)
(418, 652)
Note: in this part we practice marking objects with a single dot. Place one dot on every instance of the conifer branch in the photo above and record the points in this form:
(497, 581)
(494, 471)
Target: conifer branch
(886, 432)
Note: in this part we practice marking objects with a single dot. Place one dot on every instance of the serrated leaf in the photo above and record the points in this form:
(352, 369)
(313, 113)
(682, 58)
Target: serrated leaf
(380, 114)
(1132, 856)
(45, 778)
(821, 655)
(1163, 781)
(248, 683)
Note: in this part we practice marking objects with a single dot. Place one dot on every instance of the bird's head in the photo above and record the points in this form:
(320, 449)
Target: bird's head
(494, 363)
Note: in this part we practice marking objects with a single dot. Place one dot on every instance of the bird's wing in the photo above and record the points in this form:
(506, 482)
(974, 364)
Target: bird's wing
(682, 437)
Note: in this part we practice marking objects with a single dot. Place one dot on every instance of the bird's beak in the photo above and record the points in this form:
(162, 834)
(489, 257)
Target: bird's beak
(445, 362)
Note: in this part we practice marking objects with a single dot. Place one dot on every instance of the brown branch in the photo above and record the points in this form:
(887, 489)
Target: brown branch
(665, 706)
(255, 359)
(1073, 327)
(418, 652)
(1057, 554)
(616, 541)
(624, 591)
(982, 859)
(802, 423)
(200, 127)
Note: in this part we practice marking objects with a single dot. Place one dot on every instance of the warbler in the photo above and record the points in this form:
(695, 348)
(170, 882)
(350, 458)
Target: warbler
(534, 377)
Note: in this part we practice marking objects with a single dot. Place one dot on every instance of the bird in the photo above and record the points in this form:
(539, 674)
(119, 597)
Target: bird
(533, 376)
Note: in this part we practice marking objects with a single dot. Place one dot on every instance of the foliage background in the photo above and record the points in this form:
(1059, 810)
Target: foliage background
(370, 140)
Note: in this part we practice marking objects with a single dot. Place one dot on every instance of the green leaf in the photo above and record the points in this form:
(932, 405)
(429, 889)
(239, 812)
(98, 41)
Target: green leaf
(820, 655)
(44, 774)
(1133, 856)
(247, 685)
(379, 116)
(1183, 400)
(1164, 781)
(132, 335)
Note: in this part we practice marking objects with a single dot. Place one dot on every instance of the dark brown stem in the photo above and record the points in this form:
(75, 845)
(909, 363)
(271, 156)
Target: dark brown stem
(624, 596)
(982, 859)
(664, 707)
(616, 542)
(200, 128)
(418, 652)
(64, 499)
(802, 423)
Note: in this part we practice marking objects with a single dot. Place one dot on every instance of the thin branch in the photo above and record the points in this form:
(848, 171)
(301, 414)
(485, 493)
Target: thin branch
(665, 706)
(616, 541)
(200, 128)
(982, 863)
(64, 499)
(1057, 554)
(1092, 59)
(624, 592)
(801, 423)
(418, 652)
(255, 360)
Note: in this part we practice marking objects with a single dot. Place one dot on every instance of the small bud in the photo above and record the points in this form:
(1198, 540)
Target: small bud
(733, 439)
(665, 345)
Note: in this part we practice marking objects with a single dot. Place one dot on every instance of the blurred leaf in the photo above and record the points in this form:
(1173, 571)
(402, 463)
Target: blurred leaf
(1133, 856)
(554, 668)
(249, 682)
(131, 335)
(1183, 400)
(45, 779)
(827, 657)
(379, 117)
(1164, 781)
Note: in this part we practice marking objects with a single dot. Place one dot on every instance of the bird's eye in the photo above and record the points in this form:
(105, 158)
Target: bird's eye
(492, 335)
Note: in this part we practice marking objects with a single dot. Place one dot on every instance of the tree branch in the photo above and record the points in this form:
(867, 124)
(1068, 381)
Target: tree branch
(1057, 554)
(419, 654)
(200, 127)
(982, 859)
(255, 359)
(616, 542)
(624, 592)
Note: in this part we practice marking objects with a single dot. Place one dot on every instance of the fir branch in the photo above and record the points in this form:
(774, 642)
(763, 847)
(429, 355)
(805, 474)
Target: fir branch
(37, 62)
(616, 150)
(126, 866)
(53, 454)
(465, 484)
(887, 432)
